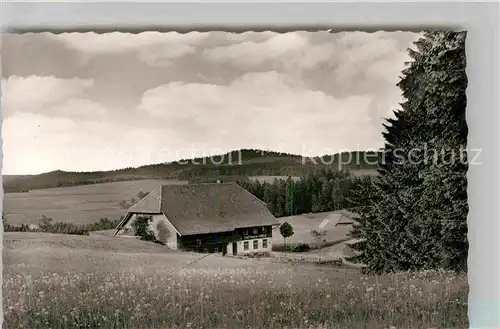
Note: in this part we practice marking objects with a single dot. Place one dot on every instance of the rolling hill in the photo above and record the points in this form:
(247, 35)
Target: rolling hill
(242, 163)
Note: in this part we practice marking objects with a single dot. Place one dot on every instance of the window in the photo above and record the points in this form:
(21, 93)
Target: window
(264, 243)
(256, 244)
(255, 230)
(245, 232)
(245, 245)
(264, 229)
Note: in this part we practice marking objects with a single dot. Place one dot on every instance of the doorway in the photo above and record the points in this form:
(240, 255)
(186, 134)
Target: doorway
(235, 247)
(224, 249)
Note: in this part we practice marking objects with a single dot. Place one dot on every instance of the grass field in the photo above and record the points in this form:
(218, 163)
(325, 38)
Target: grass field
(303, 224)
(60, 281)
(84, 204)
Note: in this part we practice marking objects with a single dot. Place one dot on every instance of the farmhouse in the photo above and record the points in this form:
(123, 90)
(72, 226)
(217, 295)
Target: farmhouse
(219, 217)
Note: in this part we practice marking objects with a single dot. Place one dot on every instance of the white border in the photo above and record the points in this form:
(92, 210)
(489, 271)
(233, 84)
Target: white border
(480, 19)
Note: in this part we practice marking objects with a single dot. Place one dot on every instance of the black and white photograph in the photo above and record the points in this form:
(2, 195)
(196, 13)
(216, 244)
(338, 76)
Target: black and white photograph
(219, 180)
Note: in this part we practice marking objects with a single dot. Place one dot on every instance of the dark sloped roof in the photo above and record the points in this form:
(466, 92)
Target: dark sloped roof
(207, 208)
(150, 204)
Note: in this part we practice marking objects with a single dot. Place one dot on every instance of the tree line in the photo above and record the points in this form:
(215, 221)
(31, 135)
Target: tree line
(47, 225)
(319, 191)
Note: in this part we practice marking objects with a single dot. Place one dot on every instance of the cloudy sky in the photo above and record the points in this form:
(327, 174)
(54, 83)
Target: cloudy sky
(84, 102)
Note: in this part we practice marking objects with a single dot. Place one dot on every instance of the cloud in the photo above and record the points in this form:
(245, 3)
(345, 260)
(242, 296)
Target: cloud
(163, 55)
(79, 107)
(36, 143)
(154, 48)
(116, 42)
(36, 93)
(318, 50)
(261, 110)
(287, 49)
(30, 139)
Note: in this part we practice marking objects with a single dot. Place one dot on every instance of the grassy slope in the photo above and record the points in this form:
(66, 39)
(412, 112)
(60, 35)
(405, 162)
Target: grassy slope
(303, 224)
(103, 282)
(83, 204)
(62, 252)
(246, 163)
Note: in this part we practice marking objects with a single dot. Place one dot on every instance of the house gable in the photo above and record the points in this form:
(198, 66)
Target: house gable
(150, 204)
(163, 230)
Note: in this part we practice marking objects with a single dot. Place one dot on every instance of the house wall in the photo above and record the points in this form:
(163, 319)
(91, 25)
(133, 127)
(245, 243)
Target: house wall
(164, 231)
(240, 245)
(257, 232)
(127, 230)
(211, 242)
(250, 235)
(160, 226)
(214, 242)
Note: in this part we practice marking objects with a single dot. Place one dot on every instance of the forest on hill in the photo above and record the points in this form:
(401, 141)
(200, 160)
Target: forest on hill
(245, 162)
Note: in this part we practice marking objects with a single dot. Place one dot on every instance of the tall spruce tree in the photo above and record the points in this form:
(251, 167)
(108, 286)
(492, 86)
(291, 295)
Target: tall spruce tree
(414, 216)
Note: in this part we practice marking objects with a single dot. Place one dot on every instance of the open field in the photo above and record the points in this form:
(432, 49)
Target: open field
(303, 224)
(84, 204)
(330, 253)
(58, 281)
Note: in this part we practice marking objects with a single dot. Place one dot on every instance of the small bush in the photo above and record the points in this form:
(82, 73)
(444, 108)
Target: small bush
(142, 228)
(302, 247)
(104, 224)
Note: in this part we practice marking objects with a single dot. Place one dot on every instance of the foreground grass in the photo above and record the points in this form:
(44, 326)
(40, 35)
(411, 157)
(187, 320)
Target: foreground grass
(142, 290)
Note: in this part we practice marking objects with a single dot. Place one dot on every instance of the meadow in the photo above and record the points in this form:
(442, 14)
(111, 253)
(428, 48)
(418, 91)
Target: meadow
(303, 224)
(60, 281)
(84, 204)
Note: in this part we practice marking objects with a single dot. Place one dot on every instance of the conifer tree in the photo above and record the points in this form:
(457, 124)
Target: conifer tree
(415, 212)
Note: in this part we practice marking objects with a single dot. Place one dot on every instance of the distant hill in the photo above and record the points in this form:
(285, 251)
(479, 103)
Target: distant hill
(246, 162)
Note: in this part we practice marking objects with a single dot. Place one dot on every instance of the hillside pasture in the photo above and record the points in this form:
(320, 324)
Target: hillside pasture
(304, 224)
(83, 204)
(54, 281)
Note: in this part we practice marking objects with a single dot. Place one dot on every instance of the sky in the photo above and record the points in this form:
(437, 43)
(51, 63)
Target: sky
(87, 101)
